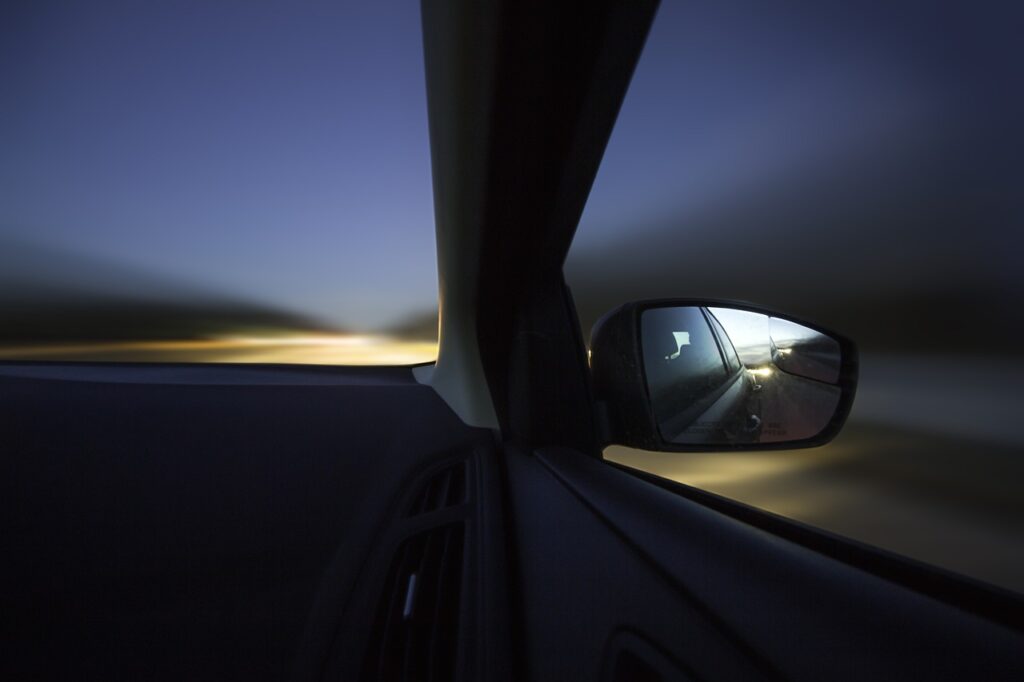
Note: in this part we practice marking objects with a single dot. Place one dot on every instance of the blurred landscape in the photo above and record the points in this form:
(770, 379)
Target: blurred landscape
(59, 305)
(929, 466)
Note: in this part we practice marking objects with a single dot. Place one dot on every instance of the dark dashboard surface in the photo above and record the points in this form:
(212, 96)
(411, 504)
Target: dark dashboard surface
(176, 521)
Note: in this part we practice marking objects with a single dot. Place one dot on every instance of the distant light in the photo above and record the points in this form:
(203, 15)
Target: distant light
(304, 348)
(762, 371)
(784, 351)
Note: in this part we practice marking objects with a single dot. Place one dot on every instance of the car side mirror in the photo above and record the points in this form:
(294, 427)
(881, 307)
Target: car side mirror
(685, 375)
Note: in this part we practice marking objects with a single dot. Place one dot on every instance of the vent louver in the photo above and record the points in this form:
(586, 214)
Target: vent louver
(415, 630)
(446, 488)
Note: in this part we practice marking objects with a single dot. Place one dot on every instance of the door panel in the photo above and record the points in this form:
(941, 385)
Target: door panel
(606, 550)
(582, 583)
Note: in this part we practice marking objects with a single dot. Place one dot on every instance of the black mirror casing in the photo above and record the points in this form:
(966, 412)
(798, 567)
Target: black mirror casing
(624, 405)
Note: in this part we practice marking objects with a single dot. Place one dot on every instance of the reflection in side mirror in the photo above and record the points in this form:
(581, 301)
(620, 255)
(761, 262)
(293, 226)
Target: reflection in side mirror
(715, 376)
(803, 352)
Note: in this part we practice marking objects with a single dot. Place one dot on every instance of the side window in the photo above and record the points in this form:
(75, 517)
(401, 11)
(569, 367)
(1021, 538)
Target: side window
(681, 359)
(780, 188)
(728, 349)
(230, 202)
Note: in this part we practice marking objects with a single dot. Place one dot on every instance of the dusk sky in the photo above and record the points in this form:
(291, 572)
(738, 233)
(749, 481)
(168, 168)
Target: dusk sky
(266, 149)
(279, 151)
(730, 97)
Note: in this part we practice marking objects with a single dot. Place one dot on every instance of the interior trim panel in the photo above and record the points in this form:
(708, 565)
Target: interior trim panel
(763, 607)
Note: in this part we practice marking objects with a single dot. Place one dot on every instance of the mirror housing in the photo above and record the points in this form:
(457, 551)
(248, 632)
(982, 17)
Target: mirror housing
(701, 375)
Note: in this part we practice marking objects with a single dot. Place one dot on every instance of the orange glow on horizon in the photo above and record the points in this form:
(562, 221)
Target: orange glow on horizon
(311, 348)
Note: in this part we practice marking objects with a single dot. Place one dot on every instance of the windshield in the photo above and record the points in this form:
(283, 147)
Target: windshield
(215, 182)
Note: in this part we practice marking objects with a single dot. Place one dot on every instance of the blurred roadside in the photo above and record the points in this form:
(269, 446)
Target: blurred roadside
(60, 305)
(928, 466)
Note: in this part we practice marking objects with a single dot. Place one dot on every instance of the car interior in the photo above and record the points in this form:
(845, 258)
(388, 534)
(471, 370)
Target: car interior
(453, 520)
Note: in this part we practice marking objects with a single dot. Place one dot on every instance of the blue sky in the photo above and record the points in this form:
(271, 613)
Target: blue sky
(279, 150)
(263, 148)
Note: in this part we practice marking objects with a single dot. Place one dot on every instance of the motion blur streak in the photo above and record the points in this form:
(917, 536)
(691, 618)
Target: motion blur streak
(904, 491)
(928, 466)
(319, 349)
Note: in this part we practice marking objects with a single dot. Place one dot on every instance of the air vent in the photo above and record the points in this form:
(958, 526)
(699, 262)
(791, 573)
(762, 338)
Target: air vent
(415, 630)
(445, 489)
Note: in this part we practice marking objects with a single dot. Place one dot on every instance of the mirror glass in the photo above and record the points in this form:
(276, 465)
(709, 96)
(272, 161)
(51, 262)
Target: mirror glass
(728, 376)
